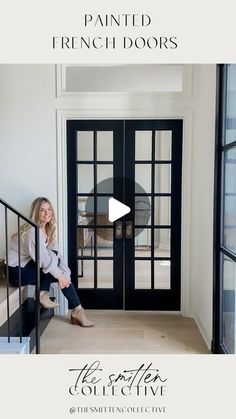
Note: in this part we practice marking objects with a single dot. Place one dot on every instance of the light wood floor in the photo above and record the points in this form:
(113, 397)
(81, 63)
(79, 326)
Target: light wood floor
(124, 332)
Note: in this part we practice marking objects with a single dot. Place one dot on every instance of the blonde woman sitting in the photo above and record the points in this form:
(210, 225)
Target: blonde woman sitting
(52, 266)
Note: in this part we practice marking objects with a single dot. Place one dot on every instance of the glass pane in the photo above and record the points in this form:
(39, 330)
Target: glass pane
(163, 178)
(230, 223)
(143, 145)
(229, 239)
(124, 78)
(85, 178)
(85, 210)
(230, 134)
(85, 241)
(105, 145)
(84, 145)
(102, 210)
(162, 242)
(82, 204)
(105, 242)
(163, 145)
(105, 273)
(143, 242)
(228, 304)
(162, 210)
(142, 210)
(143, 177)
(142, 274)
(162, 274)
(86, 273)
(104, 172)
(231, 104)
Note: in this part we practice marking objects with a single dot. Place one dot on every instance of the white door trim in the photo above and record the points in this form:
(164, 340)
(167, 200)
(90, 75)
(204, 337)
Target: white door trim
(185, 114)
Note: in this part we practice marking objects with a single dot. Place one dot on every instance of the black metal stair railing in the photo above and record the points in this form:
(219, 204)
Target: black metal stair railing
(8, 208)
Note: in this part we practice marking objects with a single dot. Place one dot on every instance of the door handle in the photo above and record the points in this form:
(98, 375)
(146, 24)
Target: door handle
(128, 230)
(118, 230)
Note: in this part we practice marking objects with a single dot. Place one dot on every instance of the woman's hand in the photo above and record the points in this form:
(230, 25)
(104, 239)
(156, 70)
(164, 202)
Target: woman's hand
(63, 282)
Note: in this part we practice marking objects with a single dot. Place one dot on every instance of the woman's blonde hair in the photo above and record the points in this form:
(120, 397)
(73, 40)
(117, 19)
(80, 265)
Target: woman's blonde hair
(34, 216)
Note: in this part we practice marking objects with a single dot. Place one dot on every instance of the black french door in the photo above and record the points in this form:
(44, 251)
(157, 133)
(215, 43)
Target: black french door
(133, 263)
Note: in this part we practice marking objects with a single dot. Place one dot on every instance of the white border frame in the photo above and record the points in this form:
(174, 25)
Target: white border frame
(62, 94)
(186, 115)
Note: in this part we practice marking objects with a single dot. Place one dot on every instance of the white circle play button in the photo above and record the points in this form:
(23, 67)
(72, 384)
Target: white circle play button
(116, 209)
(102, 209)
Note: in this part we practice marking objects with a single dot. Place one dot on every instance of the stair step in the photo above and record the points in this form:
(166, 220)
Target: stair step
(28, 321)
(13, 299)
(15, 346)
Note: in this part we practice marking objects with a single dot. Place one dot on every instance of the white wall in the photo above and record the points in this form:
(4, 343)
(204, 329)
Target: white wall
(27, 134)
(28, 154)
(202, 197)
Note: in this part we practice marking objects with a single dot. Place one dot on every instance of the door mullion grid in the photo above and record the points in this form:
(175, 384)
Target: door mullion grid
(153, 161)
(123, 195)
(134, 299)
(95, 206)
(153, 211)
(154, 193)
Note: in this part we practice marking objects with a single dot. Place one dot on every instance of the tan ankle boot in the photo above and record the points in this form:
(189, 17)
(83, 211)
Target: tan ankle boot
(45, 301)
(79, 318)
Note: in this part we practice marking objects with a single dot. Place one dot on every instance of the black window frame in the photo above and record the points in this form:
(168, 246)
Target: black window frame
(221, 149)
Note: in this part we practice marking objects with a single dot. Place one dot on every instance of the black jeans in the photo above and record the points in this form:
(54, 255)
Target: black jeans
(28, 277)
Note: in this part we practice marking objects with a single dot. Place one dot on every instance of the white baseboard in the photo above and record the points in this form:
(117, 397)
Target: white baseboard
(62, 310)
(202, 330)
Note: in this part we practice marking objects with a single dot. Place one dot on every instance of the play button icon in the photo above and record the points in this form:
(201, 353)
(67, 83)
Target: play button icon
(116, 209)
(102, 208)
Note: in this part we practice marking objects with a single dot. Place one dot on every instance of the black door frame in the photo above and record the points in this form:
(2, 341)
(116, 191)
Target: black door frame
(167, 300)
(112, 297)
(215, 344)
(148, 299)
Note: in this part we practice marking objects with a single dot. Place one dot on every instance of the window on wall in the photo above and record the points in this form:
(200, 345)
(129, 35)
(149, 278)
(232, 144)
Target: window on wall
(74, 79)
(226, 246)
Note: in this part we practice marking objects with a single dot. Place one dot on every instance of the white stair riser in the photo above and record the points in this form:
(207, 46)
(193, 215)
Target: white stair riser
(15, 346)
(13, 303)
